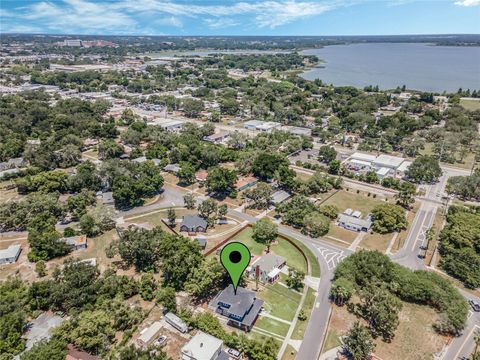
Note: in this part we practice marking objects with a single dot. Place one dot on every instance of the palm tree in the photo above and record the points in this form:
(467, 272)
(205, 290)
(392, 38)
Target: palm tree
(477, 344)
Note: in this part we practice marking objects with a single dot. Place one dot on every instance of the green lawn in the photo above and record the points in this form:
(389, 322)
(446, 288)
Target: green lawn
(301, 326)
(280, 301)
(332, 340)
(470, 104)
(350, 199)
(271, 325)
(282, 248)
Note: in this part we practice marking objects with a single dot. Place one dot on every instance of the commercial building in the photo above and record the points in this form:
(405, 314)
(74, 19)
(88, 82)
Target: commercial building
(204, 347)
(240, 309)
(352, 220)
(383, 165)
(296, 130)
(171, 125)
(10, 255)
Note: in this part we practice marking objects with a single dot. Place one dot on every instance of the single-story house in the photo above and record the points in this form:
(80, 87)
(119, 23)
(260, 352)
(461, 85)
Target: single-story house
(201, 175)
(352, 220)
(148, 335)
(107, 198)
(13, 163)
(241, 309)
(173, 168)
(176, 322)
(245, 182)
(268, 268)
(218, 137)
(280, 196)
(74, 354)
(76, 242)
(252, 124)
(193, 223)
(202, 242)
(140, 159)
(10, 255)
(171, 125)
(204, 347)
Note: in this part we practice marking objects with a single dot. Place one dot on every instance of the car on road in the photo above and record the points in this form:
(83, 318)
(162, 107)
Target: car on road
(475, 305)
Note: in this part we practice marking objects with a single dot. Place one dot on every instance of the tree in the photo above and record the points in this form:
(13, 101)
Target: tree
(97, 221)
(189, 201)
(388, 218)
(294, 211)
(54, 349)
(334, 167)
(316, 224)
(327, 154)
(192, 107)
(172, 217)
(167, 298)
(133, 353)
(207, 208)
(186, 174)
(140, 248)
(406, 194)
(265, 231)
(295, 279)
(266, 164)
(206, 280)
(424, 169)
(371, 177)
(109, 149)
(147, 287)
(261, 196)
(221, 180)
(40, 268)
(330, 211)
(222, 211)
(341, 291)
(358, 343)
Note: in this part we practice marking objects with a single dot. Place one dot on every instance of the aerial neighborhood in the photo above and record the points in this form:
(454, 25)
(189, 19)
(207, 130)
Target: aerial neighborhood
(125, 170)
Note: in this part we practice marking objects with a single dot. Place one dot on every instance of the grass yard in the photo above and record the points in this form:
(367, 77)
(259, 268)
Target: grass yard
(343, 234)
(271, 326)
(470, 104)
(290, 353)
(301, 326)
(282, 247)
(350, 199)
(280, 301)
(96, 248)
(414, 338)
(376, 241)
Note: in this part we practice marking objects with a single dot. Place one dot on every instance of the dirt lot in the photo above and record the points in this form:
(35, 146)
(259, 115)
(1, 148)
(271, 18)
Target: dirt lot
(414, 339)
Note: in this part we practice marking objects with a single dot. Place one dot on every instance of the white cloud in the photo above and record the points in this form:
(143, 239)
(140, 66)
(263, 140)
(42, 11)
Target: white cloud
(467, 2)
(170, 21)
(220, 23)
(16, 28)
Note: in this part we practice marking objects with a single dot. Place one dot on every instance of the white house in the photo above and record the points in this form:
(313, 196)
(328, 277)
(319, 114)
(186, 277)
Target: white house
(10, 255)
(148, 335)
(268, 267)
(203, 347)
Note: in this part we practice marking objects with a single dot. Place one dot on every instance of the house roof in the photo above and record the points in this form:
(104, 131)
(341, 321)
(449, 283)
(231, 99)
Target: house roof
(11, 252)
(74, 354)
(279, 196)
(194, 221)
(353, 221)
(149, 333)
(172, 167)
(218, 136)
(243, 304)
(241, 182)
(201, 175)
(76, 240)
(269, 262)
(388, 161)
(363, 156)
(202, 346)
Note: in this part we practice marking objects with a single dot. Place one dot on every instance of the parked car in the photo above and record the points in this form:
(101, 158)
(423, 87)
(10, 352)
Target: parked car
(160, 341)
(233, 353)
(475, 305)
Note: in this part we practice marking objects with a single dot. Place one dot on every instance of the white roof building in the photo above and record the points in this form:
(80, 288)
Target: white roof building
(149, 334)
(388, 161)
(202, 347)
(404, 166)
(10, 254)
(363, 157)
(268, 126)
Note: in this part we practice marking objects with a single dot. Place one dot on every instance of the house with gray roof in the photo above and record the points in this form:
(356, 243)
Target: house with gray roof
(240, 309)
(193, 223)
(352, 220)
(267, 267)
(10, 255)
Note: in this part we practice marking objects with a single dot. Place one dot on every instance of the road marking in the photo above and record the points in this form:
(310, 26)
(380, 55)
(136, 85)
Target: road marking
(332, 257)
(465, 341)
(317, 305)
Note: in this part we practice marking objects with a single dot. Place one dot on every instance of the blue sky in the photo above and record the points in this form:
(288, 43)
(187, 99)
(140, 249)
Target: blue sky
(230, 17)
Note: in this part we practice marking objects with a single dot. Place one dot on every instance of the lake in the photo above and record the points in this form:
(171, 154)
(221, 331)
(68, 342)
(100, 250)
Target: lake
(388, 65)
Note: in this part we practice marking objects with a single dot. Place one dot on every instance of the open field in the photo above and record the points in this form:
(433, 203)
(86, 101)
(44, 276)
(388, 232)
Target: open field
(272, 326)
(343, 234)
(414, 339)
(350, 199)
(470, 104)
(289, 353)
(374, 241)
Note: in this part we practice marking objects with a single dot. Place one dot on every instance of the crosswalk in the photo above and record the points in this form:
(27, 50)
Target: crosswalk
(331, 257)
